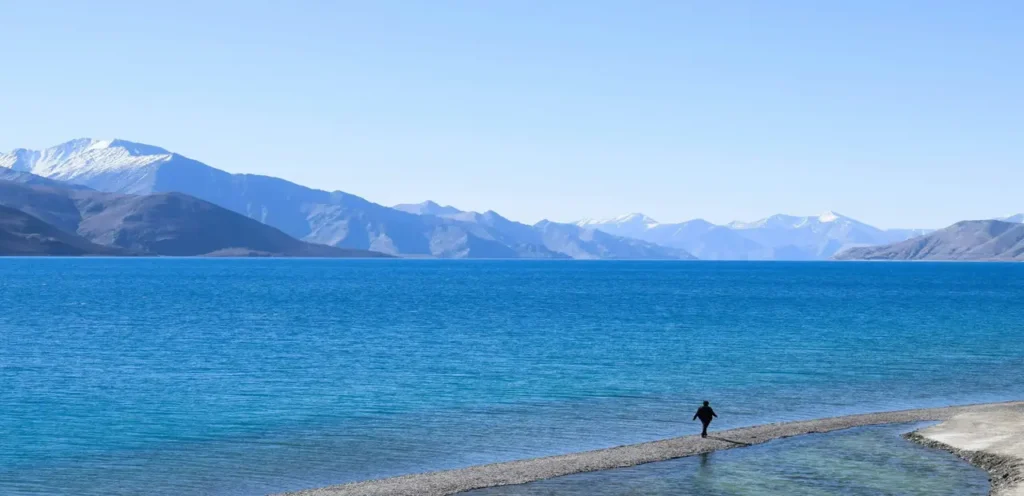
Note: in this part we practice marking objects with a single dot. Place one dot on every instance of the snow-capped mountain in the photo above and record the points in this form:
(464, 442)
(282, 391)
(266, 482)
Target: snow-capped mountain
(779, 237)
(699, 237)
(629, 225)
(109, 165)
(780, 221)
(1018, 218)
(812, 237)
(332, 218)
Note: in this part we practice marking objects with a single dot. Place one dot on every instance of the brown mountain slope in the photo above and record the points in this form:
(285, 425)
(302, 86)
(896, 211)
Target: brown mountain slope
(23, 235)
(171, 224)
(967, 240)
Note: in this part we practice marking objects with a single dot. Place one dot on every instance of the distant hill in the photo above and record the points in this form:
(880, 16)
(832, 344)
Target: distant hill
(699, 237)
(330, 218)
(427, 208)
(171, 224)
(581, 243)
(555, 240)
(24, 235)
(779, 237)
(967, 240)
(814, 237)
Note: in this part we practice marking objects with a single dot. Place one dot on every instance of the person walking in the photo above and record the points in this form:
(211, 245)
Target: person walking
(705, 414)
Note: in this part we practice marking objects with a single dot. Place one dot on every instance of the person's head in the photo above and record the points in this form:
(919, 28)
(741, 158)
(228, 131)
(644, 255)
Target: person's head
(706, 403)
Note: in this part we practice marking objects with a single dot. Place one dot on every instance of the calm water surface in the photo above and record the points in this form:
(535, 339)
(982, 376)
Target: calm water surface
(237, 377)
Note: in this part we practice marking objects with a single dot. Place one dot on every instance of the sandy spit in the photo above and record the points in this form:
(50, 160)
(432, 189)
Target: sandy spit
(992, 439)
(522, 471)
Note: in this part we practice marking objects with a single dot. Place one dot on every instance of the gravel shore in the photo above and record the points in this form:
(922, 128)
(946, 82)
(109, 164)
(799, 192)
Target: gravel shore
(522, 471)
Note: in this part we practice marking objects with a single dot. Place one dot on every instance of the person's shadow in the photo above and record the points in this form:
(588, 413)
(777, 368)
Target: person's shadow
(739, 443)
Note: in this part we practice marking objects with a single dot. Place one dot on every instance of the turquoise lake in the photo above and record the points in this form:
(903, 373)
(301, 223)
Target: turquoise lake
(241, 377)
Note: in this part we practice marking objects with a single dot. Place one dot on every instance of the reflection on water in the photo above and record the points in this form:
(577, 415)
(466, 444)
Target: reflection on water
(865, 461)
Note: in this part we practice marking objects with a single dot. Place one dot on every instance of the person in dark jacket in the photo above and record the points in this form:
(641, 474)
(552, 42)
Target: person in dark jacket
(705, 414)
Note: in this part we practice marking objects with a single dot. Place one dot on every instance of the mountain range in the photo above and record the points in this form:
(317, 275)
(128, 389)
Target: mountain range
(563, 240)
(41, 217)
(429, 229)
(331, 218)
(779, 237)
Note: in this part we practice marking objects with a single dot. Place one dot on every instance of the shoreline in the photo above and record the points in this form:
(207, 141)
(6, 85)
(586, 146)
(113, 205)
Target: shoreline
(447, 482)
(992, 441)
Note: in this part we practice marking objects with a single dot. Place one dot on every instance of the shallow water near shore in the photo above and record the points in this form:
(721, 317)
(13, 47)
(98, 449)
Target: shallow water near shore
(238, 377)
(866, 461)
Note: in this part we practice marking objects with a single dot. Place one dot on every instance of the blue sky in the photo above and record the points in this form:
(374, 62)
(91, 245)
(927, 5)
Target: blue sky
(900, 114)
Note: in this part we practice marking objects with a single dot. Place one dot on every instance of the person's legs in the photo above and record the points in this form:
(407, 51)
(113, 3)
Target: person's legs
(704, 433)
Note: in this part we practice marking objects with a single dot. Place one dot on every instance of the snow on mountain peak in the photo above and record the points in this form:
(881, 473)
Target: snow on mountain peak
(85, 157)
(100, 144)
(781, 221)
(134, 149)
(637, 219)
(828, 216)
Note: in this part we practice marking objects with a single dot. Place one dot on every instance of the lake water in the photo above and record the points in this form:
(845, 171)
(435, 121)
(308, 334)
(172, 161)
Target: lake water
(237, 377)
(867, 461)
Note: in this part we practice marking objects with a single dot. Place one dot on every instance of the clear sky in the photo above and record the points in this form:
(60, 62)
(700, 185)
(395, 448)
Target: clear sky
(900, 114)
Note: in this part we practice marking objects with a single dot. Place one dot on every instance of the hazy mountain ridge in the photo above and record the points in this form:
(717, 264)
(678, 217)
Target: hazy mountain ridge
(579, 242)
(171, 224)
(562, 240)
(779, 237)
(333, 218)
(427, 208)
(966, 240)
(698, 237)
